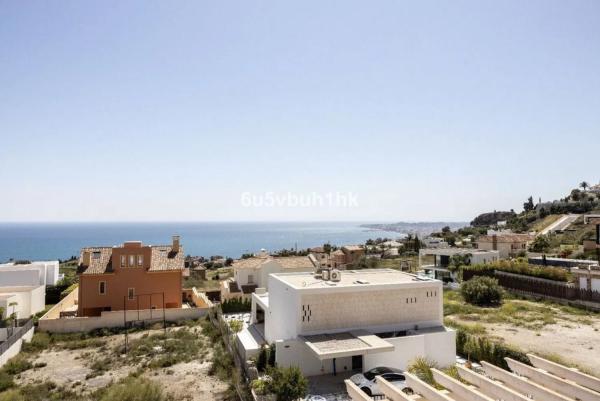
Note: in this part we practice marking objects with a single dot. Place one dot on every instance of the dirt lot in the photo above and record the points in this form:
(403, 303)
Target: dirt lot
(561, 332)
(577, 344)
(89, 368)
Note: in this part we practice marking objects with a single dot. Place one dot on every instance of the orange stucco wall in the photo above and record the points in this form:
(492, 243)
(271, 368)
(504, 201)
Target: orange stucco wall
(91, 302)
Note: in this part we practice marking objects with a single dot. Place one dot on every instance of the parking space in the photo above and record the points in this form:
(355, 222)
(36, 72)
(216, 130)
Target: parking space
(328, 387)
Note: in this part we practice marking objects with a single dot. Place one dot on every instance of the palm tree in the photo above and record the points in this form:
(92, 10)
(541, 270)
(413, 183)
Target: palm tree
(584, 185)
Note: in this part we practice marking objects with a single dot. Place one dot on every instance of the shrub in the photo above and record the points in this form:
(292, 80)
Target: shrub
(288, 384)
(236, 305)
(479, 348)
(17, 365)
(6, 381)
(133, 389)
(261, 359)
(260, 387)
(482, 291)
(421, 367)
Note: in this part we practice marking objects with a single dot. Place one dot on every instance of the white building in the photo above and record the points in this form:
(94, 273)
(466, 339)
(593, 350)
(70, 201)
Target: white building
(30, 274)
(355, 321)
(434, 242)
(24, 301)
(442, 259)
(252, 273)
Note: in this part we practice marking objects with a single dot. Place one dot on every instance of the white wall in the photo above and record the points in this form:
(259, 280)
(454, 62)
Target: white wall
(439, 347)
(14, 349)
(281, 320)
(29, 302)
(52, 272)
(45, 273)
(13, 277)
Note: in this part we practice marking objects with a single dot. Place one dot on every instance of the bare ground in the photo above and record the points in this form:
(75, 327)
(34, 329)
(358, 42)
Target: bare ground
(188, 381)
(574, 343)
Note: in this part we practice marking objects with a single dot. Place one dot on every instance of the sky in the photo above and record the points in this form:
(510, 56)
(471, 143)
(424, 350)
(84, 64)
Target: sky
(237, 110)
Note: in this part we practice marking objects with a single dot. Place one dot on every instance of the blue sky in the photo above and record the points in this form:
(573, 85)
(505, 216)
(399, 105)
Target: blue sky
(171, 111)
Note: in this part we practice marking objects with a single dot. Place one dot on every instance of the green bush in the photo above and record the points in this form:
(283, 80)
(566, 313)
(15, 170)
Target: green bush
(288, 384)
(482, 291)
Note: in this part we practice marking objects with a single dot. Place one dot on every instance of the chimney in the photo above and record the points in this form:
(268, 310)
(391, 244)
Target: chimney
(86, 258)
(175, 247)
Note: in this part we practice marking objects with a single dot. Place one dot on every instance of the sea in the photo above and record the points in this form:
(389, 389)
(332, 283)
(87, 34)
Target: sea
(50, 241)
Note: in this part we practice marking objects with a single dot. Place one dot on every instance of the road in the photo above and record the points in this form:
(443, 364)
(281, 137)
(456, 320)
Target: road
(562, 223)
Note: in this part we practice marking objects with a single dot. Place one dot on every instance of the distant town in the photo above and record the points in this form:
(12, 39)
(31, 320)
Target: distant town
(507, 307)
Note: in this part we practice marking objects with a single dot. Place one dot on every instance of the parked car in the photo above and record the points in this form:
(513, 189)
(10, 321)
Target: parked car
(366, 381)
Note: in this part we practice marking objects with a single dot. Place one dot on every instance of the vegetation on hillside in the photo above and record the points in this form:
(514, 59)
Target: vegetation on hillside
(519, 266)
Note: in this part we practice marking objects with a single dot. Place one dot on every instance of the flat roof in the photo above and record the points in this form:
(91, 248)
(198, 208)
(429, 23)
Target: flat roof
(19, 288)
(359, 342)
(350, 278)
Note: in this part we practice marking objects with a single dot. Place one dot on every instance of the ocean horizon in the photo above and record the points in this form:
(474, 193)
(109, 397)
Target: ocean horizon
(49, 241)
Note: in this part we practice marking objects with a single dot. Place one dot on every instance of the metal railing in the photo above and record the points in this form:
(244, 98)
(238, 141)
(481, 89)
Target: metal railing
(16, 334)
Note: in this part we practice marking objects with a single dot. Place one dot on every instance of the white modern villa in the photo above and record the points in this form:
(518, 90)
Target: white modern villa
(338, 321)
(23, 287)
(30, 274)
(442, 259)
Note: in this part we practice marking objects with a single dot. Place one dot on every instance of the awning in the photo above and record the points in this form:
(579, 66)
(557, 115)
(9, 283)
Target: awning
(359, 342)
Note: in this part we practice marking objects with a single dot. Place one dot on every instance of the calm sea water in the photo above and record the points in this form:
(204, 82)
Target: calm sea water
(60, 241)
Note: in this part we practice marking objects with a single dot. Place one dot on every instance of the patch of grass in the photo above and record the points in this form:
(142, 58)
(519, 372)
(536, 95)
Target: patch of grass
(161, 351)
(6, 381)
(514, 311)
(132, 389)
(17, 365)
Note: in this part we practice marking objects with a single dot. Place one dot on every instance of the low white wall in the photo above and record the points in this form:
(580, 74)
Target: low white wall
(16, 347)
(117, 319)
(439, 347)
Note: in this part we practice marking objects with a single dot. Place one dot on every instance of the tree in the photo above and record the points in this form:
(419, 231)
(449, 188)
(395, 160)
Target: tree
(482, 290)
(575, 195)
(228, 262)
(446, 229)
(528, 206)
(584, 185)
(541, 243)
(288, 384)
(417, 243)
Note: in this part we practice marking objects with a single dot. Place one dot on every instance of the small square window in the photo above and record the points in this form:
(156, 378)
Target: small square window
(102, 287)
(96, 255)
